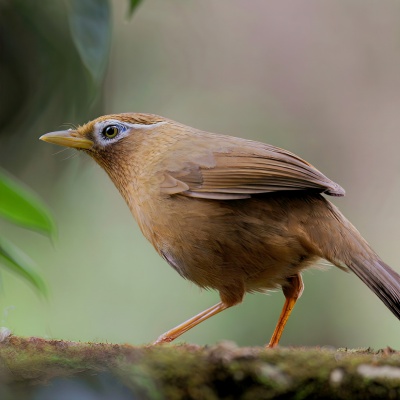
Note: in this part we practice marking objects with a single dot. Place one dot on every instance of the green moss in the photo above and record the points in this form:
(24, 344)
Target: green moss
(192, 372)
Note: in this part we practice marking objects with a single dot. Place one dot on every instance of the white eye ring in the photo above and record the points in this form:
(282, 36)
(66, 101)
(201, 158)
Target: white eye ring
(123, 130)
(120, 130)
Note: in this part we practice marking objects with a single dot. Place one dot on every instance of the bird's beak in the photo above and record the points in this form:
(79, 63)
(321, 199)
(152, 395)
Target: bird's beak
(68, 139)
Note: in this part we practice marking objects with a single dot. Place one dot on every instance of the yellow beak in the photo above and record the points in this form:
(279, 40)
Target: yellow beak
(68, 139)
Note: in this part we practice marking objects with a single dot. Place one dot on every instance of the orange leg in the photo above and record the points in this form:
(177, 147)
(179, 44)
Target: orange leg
(292, 293)
(190, 323)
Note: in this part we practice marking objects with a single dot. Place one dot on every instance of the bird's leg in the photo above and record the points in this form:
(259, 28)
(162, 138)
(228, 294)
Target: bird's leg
(292, 292)
(192, 322)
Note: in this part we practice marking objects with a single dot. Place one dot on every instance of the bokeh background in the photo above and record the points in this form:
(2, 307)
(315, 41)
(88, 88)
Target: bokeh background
(321, 79)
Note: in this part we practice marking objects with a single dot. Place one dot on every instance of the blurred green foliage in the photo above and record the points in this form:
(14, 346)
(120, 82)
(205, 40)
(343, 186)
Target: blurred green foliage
(90, 31)
(132, 5)
(22, 207)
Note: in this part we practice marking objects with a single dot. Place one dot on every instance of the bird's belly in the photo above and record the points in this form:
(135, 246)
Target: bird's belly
(239, 266)
(220, 244)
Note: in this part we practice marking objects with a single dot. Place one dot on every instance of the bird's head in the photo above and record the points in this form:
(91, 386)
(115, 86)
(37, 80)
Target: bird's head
(111, 140)
(120, 143)
(107, 133)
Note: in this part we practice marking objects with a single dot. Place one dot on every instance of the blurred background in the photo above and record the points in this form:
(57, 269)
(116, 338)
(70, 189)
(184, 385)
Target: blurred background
(321, 79)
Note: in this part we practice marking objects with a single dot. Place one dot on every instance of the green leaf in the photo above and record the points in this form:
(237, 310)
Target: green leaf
(21, 206)
(19, 263)
(132, 5)
(90, 26)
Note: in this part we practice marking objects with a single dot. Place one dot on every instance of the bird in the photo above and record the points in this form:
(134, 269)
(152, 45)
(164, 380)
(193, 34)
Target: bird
(231, 214)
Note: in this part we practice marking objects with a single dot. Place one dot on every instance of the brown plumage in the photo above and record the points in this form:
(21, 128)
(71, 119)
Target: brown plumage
(228, 213)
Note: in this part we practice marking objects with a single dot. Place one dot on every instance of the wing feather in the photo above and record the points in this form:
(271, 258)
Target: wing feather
(240, 168)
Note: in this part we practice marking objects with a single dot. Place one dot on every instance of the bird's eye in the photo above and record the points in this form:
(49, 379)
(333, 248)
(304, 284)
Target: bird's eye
(110, 131)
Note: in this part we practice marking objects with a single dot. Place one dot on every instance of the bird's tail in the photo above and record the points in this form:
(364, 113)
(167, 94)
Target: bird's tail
(349, 249)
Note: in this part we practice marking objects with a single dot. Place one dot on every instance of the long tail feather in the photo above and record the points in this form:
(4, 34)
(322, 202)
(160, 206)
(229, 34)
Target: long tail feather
(349, 249)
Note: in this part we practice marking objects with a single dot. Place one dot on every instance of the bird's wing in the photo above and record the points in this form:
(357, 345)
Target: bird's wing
(242, 168)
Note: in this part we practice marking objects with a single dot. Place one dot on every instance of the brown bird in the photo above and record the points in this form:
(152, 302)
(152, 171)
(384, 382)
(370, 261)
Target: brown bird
(227, 213)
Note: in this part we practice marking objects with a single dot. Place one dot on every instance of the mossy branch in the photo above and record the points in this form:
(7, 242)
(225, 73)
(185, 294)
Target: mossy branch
(35, 366)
